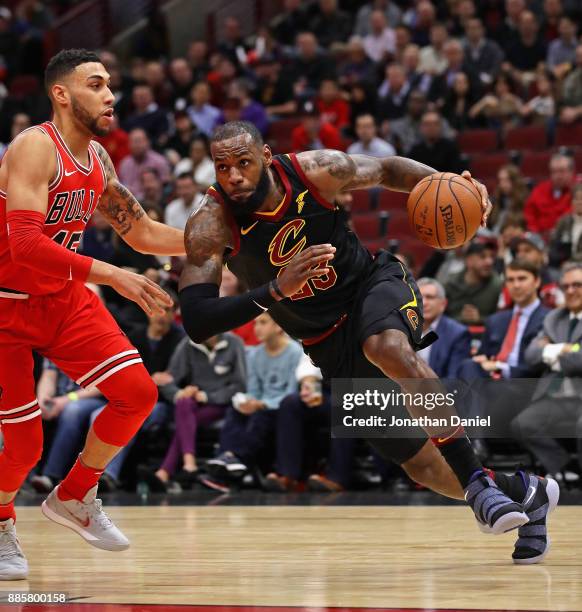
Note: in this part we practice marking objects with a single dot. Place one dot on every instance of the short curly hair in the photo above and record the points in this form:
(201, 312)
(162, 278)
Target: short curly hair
(64, 62)
(237, 128)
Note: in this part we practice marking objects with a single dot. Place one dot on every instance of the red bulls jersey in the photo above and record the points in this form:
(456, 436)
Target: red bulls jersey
(73, 195)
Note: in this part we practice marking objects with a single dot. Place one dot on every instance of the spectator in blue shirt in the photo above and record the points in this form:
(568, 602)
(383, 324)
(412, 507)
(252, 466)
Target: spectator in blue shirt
(251, 422)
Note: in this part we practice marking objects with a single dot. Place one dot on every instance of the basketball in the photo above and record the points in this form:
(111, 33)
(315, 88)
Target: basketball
(444, 210)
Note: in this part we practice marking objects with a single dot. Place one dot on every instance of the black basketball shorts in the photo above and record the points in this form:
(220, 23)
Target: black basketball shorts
(388, 298)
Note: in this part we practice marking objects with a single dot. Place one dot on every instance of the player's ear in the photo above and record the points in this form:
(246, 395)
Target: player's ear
(267, 155)
(60, 94)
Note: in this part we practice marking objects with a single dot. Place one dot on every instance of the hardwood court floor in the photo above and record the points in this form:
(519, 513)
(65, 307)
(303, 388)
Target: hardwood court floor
(380, 557)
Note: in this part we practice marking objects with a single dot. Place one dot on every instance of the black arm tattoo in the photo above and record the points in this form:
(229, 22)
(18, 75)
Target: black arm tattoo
(395, 173)
(206, 238)
(333, 171)
(337, 164)
(107, 163)
(118, 205)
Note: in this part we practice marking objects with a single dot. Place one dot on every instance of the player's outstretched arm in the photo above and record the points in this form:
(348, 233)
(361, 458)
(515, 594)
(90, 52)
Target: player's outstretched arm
(204, 313)
(125, 214)
(334, 171)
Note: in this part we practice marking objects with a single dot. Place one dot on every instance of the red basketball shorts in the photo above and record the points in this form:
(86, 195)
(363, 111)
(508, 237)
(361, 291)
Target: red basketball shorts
(72, 328)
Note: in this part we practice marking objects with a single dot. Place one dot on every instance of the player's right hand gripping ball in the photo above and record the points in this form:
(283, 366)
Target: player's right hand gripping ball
(444, 210)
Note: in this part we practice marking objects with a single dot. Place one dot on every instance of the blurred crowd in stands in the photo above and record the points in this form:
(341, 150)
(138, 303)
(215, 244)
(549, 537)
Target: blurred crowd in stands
(493, 86)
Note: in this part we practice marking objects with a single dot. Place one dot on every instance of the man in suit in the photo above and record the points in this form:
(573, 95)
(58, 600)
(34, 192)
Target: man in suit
(502, 352)
(454, 343)
(509, 332)
(566, 239)
(556, 411)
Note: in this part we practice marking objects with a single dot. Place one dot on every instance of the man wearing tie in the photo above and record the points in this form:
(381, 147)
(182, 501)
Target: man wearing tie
(454, 343)
(507, 335)
(556, 410)
(509, 332)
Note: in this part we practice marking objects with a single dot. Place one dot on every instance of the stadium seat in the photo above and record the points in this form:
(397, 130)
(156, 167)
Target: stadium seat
(528, 138)
(24, 85)
(569, 135)
(375, 245)
(486, 166)
(535, 165)
(398, 224)
(392, 200)
(361, 201)
(478, 141)
(419, 251)
(280, 131)
(366, 226)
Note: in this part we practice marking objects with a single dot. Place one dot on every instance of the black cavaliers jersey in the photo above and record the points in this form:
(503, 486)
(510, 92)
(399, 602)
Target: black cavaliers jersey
(264, 247)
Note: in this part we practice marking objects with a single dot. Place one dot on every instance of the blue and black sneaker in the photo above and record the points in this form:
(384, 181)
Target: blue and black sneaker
(541, 498)
(496, 513)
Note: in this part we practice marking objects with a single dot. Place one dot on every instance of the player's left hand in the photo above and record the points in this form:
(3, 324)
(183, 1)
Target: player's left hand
(485, 201)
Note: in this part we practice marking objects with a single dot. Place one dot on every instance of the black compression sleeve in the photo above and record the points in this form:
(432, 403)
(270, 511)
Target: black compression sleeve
(204, 314)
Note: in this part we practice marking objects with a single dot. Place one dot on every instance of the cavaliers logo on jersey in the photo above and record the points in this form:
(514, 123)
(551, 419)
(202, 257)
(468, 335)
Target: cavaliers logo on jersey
(412, 317)
(280, 253)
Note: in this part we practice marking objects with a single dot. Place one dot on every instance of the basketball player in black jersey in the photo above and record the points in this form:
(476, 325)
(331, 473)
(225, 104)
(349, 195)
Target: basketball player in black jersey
(273, 222)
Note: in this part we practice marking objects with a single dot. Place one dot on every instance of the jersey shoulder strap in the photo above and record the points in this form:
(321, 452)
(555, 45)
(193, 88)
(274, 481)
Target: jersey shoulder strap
(299, 180)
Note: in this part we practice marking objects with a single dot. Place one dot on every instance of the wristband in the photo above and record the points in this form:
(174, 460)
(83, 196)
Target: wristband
(275, 287)
(73, 396)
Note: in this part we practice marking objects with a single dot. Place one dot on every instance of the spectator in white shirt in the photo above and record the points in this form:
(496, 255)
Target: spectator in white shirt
(388, 7)
(199, 164)
(432, 57)
(189, 198)
(381, 41)
(368, 142)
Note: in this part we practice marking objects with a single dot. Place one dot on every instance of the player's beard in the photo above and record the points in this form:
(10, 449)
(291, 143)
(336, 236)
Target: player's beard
(243, 209)
(91, 123)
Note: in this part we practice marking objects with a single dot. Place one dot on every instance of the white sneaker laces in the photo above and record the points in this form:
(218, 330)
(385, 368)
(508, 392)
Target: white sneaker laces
(9, 546)
(97, 514)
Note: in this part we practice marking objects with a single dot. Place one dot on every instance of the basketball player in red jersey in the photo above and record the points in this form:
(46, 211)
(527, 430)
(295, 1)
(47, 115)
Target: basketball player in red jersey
(52, 178)
(274, 222)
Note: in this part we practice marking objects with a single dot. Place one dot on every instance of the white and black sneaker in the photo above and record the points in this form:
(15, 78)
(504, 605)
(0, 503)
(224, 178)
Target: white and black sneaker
(226, 466)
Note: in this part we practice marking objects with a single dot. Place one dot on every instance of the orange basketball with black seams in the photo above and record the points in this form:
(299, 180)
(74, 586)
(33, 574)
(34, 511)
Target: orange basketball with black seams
(444, 210)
